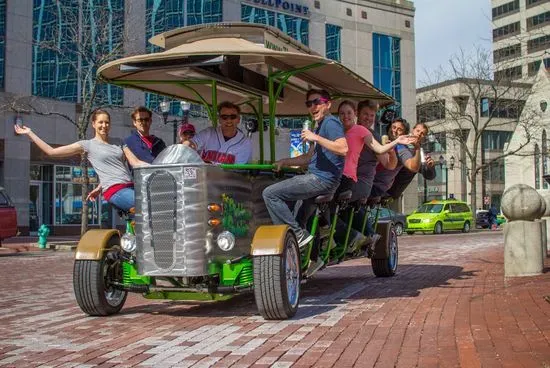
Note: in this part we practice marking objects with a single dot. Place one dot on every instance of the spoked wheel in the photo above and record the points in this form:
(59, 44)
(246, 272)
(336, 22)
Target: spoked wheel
(277, 281)
(399, 229)
(92, 281)
(387, 266)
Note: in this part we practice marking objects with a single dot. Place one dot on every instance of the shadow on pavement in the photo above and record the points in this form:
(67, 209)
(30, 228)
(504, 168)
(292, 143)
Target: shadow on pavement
(326, 291)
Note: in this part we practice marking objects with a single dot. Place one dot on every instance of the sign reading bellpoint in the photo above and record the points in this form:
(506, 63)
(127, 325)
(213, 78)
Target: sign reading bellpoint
(288, 6)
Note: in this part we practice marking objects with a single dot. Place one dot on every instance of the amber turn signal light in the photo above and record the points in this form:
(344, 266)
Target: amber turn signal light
(214, 222)
(214, 207)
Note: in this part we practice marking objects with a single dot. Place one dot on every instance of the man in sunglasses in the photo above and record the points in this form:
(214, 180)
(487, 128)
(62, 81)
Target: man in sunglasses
(325, 162)
(143, 145)
(226, 144)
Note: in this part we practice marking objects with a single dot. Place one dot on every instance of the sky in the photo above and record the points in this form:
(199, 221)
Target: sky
(442, 27)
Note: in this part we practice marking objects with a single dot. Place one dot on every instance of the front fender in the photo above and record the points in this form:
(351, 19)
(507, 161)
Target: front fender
(93, 243)
(269, 240)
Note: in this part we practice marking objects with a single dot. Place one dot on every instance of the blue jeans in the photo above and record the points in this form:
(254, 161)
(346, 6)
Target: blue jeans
(300, 187)
(124, 199)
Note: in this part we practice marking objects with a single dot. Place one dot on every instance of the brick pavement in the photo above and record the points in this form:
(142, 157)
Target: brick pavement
(449, 306)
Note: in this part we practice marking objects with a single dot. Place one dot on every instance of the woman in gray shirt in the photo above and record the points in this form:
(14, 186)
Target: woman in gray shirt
(107, 159)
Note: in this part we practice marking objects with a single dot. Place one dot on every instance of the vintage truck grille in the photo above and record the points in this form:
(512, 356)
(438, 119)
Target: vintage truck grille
(163, 218)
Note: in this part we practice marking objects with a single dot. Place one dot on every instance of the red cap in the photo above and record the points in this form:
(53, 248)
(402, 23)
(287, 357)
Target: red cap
(184, 128)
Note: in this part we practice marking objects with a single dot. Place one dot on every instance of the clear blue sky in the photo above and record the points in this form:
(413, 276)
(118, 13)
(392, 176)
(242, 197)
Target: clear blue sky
(442, 27)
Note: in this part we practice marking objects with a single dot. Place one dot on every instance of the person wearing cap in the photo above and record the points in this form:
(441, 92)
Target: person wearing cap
(143, 145)
(186, 132)
(225, 144)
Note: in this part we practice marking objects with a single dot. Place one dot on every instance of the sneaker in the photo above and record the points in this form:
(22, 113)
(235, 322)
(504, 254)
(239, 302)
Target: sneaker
(304, 239)
(358, 242)
(314, 266)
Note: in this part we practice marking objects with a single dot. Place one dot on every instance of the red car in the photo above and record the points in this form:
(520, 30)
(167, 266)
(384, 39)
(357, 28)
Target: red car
(8, 216)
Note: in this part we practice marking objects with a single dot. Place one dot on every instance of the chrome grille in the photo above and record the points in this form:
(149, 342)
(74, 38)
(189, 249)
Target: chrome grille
(162, 207)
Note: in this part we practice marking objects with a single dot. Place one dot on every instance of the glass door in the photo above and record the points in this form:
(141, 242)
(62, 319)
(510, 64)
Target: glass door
(35, 207)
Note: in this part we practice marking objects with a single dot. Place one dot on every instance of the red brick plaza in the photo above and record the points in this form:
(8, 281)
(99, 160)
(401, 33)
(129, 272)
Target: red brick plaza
(449, 306)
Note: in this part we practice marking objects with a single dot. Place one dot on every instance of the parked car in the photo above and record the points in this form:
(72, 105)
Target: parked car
(399, 219)
(482, 219)
(8, 216)
(439, 216)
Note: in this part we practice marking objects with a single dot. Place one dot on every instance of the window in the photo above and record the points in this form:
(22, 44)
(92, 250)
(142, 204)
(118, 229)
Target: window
(387, 66)
(161, 16)
(506, 31)
(494, 140)
(430, 111)
(502, 108)
(348, 12)
(531, 3)
(68, 197)
(440, 144)
(97, 27)
(317, 4)
(2, 41)
(507, 53)
(537, 166)
(508, 74)
(295, 27)
(408, 24)
(364, 14)
(533, 67)
(333, 41)
(538, 20)
(203, 11)
(506, 9)
(538, 44)
(544, 158)
(494, 172)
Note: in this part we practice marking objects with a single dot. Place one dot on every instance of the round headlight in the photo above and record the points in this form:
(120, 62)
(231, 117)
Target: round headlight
(128, 242)
(226, 241)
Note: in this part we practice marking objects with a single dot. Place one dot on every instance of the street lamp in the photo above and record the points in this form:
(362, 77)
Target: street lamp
(429, 148)
(451, 166)
(165, 111)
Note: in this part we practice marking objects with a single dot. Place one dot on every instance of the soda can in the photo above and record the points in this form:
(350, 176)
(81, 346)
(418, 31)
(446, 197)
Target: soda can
(385, 139)
(306, 125)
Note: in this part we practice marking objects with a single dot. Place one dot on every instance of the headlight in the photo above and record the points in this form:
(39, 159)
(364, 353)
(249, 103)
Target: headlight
(426, 220)
(226, 241)
(128, 242)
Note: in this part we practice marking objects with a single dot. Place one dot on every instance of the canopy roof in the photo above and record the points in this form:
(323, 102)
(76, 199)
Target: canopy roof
(239, 57)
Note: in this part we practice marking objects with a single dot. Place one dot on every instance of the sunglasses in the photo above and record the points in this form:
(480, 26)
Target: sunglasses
(227, 117)
(317, 101)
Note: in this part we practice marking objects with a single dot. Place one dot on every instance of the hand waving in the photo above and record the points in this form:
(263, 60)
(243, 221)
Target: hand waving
(21, 129)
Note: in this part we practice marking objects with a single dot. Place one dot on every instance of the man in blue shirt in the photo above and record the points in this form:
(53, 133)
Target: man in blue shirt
(325, 162)
(143, 145)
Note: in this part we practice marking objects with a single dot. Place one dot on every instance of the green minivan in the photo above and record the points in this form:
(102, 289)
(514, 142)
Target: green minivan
(439, 216)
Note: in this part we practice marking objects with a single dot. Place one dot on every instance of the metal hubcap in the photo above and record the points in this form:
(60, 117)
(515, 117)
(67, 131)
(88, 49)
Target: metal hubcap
(292, 274)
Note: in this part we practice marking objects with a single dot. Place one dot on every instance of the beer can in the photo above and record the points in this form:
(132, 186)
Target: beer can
(385, 139)
(306, 125)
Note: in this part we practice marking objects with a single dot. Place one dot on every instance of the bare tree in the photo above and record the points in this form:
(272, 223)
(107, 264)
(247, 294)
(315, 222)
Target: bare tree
(469, 103)
(80, 37)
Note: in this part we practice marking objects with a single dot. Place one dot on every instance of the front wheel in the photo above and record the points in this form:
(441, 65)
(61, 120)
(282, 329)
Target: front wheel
(277, 281)
(466, 227)
(92, 281)
(438, 228)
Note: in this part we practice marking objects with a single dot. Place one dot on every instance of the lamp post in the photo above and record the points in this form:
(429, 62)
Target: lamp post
(451, 166)
(165, 111)
(429, 148)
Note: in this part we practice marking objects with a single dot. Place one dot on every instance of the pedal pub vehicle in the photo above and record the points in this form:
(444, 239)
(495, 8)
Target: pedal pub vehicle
(202, 231)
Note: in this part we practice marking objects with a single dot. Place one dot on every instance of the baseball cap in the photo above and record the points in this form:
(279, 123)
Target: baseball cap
(187, 127)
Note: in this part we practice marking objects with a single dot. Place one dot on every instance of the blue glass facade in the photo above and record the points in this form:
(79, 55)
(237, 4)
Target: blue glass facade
(165, 15)
(295, 27)
(387, 66)
(333, 42)
(87, 37)
(2, 41)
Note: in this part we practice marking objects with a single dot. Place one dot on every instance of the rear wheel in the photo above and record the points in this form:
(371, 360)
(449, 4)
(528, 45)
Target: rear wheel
(438, 228)
(466, 227)
(399, 229)
(277, 281)
(92, 282)
(386, 267)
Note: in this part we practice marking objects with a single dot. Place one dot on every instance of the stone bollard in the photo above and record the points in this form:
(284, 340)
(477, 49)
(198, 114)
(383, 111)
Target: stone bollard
(522, 206)
(546, 217)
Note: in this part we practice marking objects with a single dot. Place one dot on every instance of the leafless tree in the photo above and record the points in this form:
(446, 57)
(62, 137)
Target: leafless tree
(465, 101)
(80, 38)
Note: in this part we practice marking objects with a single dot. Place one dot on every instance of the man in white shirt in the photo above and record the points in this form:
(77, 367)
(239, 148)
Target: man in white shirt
(225, 144)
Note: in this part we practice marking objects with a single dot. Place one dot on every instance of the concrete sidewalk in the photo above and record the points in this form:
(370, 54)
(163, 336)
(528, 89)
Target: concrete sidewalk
(20, 244)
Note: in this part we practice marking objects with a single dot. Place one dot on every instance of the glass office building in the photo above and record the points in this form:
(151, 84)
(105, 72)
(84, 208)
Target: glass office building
(386, 57)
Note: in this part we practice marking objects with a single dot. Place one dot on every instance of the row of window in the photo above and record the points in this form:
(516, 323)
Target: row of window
(430, 111)
(538, 44)
(538, 20)
(531, 3)
(505, 9)
(507, 53)
(503, 108)
(533, 67)
(508, 74)
(506, 31)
